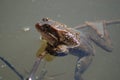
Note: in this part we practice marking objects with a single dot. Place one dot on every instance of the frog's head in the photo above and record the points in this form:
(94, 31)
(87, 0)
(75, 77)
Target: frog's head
(56, 33)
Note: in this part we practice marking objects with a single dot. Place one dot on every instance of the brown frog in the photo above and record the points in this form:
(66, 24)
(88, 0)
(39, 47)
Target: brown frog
(78, 41)
(61, 40)
(58, 36)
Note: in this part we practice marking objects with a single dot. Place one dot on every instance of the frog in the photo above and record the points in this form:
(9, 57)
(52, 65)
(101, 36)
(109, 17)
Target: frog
(59, 40)
(77, 41)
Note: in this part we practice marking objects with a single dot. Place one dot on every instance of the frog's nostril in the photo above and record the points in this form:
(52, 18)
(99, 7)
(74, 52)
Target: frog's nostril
(39, 27)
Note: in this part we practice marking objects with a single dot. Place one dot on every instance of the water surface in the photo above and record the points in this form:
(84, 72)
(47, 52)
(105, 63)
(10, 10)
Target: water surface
(20, 46)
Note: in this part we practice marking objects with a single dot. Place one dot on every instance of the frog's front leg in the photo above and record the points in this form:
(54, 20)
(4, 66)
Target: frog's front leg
(59, 50)
(81, 65)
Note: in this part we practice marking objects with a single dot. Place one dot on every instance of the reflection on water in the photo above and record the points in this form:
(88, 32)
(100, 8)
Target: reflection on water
(19, 41)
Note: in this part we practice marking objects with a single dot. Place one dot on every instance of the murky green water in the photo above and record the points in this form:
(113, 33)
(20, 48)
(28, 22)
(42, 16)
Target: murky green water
(20, 46)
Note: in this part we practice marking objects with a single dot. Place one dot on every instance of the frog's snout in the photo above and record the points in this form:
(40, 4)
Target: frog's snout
(37, 26)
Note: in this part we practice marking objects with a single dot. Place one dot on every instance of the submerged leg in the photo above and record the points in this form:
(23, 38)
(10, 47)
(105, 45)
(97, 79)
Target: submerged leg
(34, 69)
(35, 66)
(100, 35)
(81, 65)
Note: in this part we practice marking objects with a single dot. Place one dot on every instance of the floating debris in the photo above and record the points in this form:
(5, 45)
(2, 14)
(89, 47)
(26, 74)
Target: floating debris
(3, 66)
(26, 29)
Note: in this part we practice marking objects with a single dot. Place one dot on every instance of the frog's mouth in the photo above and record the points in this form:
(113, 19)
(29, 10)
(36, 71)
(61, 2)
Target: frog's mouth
(48, 33)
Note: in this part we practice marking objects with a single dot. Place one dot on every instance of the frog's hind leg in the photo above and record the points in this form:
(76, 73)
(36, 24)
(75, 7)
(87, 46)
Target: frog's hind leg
(81, 65)
(100, 35)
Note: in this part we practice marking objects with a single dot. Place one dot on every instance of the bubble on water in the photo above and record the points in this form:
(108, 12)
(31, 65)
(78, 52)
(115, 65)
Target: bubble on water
(29, 79)
(25, 29)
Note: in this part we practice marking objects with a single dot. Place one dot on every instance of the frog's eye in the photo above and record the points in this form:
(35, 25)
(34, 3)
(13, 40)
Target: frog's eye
(45, 27)
(45, 19)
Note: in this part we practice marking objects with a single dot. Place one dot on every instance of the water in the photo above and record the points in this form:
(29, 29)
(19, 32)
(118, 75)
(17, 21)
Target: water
(19, 40)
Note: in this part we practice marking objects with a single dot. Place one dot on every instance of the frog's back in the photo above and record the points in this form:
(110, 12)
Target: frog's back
(85, 48)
